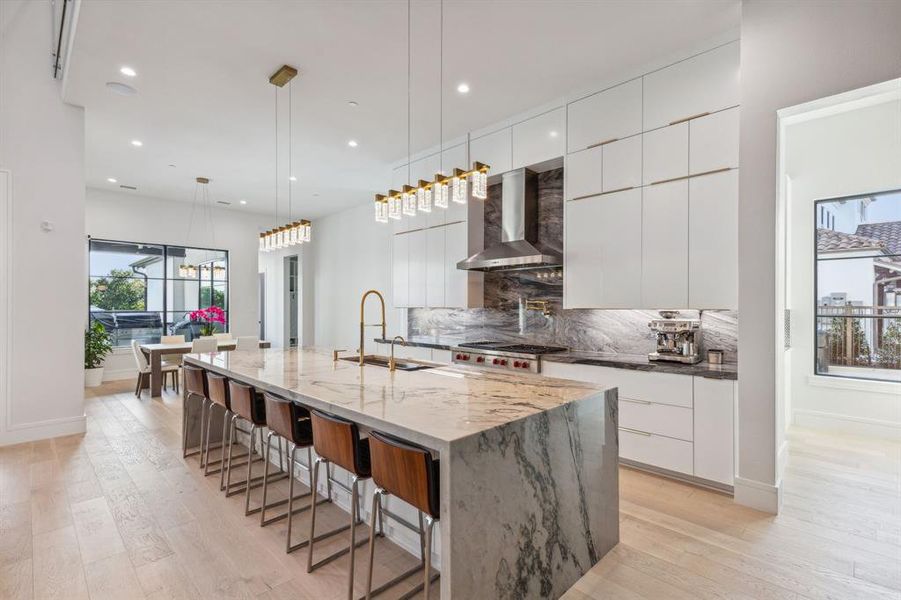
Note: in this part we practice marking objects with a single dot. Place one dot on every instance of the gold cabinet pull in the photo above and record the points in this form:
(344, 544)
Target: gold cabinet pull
(604, 143)
(645, 402)
(639, 432)
(697, 116)
(631, 187)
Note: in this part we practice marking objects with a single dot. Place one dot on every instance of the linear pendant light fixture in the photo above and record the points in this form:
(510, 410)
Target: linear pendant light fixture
(201, 196)
(411, 200)
(293, 232)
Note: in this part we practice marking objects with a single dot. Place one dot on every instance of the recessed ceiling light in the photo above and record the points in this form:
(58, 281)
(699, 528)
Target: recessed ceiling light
(173, 166)
(463, 88)
(111, 179)
(352, 103)
(243, 201)
(352, 143)
(123, 89)
(128, 71)
(292, 178)
(553, 133)
(137, 143)
(316, 195)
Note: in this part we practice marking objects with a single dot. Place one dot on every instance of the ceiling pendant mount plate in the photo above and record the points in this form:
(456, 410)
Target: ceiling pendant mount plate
(283, 75)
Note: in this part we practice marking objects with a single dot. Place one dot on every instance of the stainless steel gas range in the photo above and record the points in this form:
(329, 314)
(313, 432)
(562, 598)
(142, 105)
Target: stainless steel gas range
(504, 356)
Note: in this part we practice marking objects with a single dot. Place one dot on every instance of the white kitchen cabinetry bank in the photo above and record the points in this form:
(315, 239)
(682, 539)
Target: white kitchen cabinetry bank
(681, 162)
(681, 424)
(539, 139)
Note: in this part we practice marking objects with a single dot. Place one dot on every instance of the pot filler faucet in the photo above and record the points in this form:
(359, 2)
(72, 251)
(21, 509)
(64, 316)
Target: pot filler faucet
(363, 324)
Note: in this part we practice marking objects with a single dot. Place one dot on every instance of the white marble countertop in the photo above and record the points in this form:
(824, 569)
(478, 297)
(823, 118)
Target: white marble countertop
(431, 406)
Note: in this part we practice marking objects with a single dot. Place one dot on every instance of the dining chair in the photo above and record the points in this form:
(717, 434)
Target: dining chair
(144, 369)
(204, 346)
(172, 359)
(247, 342)
(222, 336)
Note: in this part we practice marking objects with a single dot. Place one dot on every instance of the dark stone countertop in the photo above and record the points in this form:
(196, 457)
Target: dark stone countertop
(601, 359)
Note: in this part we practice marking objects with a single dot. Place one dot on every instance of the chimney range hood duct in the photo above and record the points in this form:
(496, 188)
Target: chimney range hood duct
(519, 230)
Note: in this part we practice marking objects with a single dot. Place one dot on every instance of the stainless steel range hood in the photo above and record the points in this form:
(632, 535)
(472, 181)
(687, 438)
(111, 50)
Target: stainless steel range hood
(519, 230)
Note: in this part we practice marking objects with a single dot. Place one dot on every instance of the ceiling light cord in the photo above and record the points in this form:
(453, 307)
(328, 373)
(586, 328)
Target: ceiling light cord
(276, 156)
(441, 90)
(290, 147)
(409, 88)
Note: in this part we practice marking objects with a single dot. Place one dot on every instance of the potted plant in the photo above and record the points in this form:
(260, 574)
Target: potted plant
(96, 348)
(208, 318)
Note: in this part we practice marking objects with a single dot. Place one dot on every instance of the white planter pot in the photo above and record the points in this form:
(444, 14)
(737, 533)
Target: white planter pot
(93, 377)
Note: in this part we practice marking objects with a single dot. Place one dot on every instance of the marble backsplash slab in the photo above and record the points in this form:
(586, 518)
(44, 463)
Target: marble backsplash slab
(504, 317)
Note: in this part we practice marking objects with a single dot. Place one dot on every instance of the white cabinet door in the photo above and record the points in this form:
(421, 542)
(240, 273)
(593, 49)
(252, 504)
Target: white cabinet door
(435, 267)
(538, 139)
(400, 258)
(609, 115)
(656, 450)
(714, 430)
(622, 164)
(583, 173)
(665, 153)
(417, 261)
(494, 150)
(713, 240)
(456, 282)
(664, 267)
(603, 257)
(713, 142)
(702, 84)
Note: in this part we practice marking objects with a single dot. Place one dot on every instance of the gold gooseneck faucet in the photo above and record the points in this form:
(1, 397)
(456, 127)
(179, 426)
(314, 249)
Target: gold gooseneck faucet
(363, 324)
(392, 364)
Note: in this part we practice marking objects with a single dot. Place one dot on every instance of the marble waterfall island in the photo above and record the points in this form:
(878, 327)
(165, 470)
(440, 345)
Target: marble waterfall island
(528, 474)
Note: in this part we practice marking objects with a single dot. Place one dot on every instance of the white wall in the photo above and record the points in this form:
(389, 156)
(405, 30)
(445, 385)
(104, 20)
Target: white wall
(792, 52)
(854, 152)
(272, 266)
(130, 217)
(42, 146)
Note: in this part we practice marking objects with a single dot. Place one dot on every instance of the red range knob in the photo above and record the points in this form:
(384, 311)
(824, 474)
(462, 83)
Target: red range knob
(504, 362)
(516, 364)
(525, 365)
(459, 356)
(480, 359)
(496, 361)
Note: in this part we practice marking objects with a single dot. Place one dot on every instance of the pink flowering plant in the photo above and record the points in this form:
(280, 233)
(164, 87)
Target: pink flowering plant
(208, 318)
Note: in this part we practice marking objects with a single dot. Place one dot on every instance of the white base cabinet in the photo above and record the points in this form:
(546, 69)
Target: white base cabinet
(680, 423)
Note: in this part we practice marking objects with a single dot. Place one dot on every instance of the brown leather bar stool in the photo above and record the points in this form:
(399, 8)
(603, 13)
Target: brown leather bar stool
(407, 471)
(195, 389)
(337, 441)
(291, 421)
(218, 394)
(247, 405)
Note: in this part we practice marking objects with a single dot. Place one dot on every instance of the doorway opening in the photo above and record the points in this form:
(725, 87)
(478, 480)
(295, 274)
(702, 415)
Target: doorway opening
(292, 305)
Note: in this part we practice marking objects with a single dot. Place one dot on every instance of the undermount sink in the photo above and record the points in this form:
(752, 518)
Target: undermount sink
(383, 361)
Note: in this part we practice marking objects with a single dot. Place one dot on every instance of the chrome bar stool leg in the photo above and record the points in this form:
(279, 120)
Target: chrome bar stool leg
(316, 538)
(281, 474)
(226, 431)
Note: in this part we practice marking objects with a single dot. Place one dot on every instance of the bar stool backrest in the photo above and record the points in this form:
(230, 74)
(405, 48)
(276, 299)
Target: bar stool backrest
(288, 420)
(338, 441)
(217, 388)
(405, 470)
(195, 381)
(246, 402)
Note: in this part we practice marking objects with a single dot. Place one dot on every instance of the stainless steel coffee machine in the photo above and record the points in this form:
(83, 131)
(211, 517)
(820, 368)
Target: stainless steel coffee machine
(678, 339)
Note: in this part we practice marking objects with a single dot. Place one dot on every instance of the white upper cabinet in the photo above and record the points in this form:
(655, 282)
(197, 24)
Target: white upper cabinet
(539, 139)
(417, 267)
(462, 289)
(612, 114)
(400, 278)
(664, 246)
(713, 240)
(435, 267)
(494, 150)
(713, 142)
(603, 251)
(583, 173)
(622, 164)
(705, 83)
(665, 154)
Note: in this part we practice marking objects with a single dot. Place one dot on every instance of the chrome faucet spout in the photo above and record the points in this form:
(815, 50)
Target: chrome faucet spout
(363, 321)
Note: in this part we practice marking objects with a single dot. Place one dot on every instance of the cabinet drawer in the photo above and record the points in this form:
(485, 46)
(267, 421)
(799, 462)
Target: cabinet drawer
(662, 419)
(659, 388)
(583, 173)
(656, 450)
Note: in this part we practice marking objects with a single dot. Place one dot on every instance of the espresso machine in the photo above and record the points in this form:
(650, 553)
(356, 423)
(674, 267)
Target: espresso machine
(678, 339)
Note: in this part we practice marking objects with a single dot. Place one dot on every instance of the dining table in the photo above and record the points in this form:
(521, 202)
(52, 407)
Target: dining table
(155, 353)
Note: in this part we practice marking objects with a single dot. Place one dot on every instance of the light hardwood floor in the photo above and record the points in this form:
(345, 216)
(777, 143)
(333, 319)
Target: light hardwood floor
(118, 514)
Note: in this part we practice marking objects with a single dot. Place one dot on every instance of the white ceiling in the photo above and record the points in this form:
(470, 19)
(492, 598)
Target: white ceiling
(205, 104)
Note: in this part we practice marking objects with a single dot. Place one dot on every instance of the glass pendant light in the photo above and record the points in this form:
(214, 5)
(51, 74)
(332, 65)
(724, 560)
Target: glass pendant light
(479, 181)
(306, 231)
(424, 196)
(458, 187)
(408, 200)
(395, 209)
(381, 209)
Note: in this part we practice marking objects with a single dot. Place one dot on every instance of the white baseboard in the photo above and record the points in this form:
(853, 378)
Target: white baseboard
(758, 495)
(43, 430)
(814, 419)
(781, 459)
